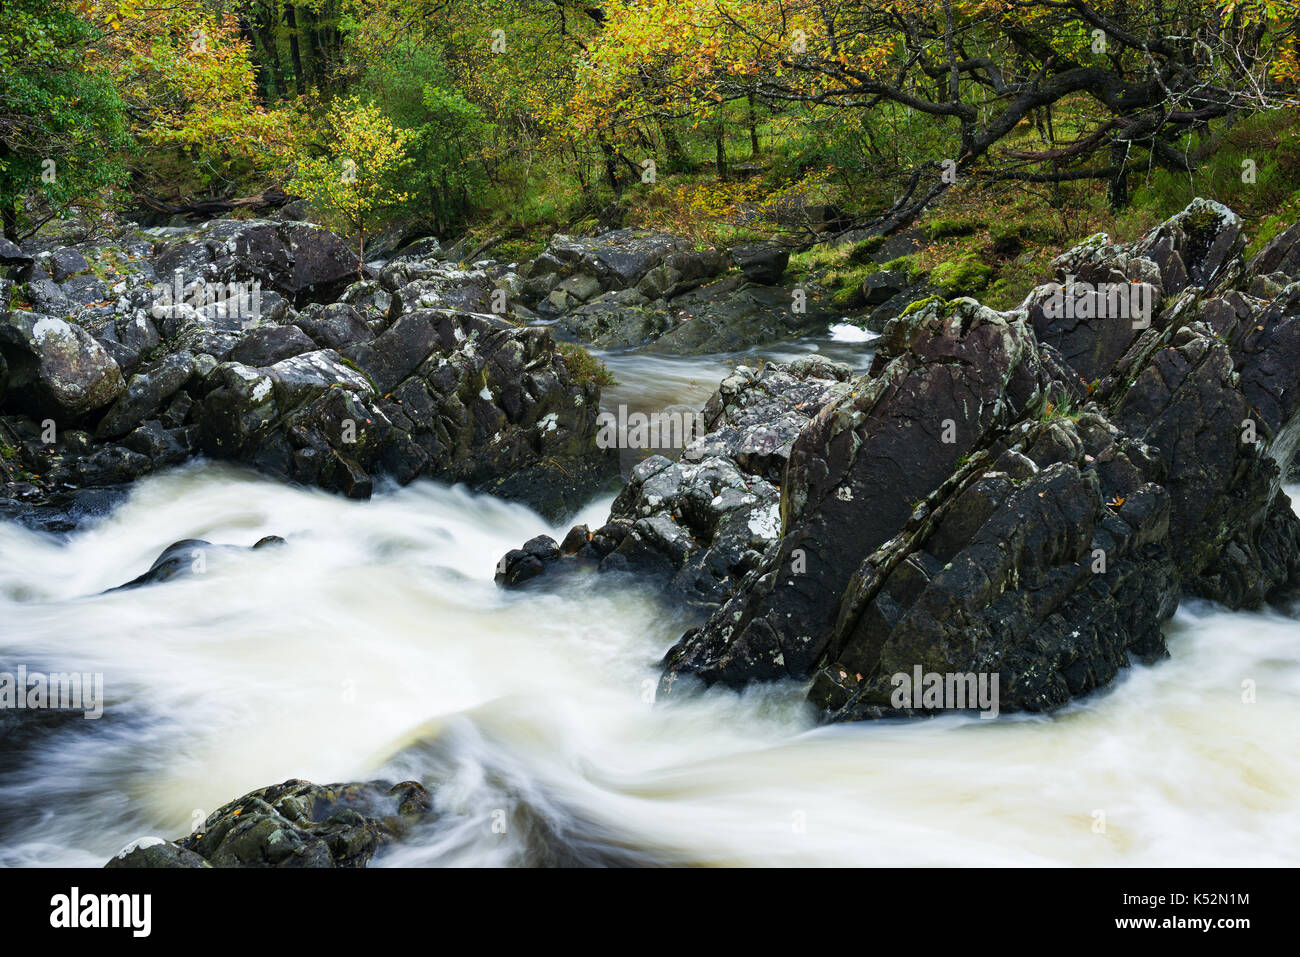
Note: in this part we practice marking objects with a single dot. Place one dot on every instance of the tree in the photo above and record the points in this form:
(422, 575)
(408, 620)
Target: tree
(353, 181)
(1144, 73)
(62, 127)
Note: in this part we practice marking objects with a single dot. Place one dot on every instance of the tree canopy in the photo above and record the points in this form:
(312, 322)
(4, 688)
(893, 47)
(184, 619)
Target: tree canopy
(531, 105)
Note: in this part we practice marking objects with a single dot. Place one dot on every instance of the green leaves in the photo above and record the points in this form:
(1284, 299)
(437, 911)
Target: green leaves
(355, 182)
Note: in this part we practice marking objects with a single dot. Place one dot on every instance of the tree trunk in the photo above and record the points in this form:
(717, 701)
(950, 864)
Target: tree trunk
(1117, 190)
(268, 199)
(720, 148)
(295, 53)
(611, 166)
(753, 128)
(673, 150)
(312, 25)
(266, 34)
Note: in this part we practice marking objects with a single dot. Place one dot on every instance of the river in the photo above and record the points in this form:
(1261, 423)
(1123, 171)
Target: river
(375, 644)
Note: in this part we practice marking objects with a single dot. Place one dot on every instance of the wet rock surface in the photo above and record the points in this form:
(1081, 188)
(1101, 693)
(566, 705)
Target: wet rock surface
(255, 341)
(699, 523)
(291, 825)
(1026, 495)
(187, 557)
(634, 288)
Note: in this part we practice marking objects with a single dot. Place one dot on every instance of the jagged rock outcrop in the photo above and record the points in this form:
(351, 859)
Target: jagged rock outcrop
(294, 824)
(1027, 494)
(701, 522)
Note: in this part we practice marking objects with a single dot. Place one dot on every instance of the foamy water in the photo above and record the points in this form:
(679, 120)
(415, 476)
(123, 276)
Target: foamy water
(374, 644)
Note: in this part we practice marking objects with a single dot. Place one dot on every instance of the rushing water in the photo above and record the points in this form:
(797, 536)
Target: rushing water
(375, 644)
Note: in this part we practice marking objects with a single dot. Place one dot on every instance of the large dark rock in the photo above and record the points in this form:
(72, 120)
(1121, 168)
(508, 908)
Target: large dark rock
(65, 262)
(146, 394)
(12, 256)
(374, 385)
(266, 347)
(187, 557)
(301, 261)
(55, 367)
(763, 264)
(441, 394)
(334, 326)
(1006, 495)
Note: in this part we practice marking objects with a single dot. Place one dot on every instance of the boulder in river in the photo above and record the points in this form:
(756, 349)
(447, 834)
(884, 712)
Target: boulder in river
(291, 825)
(700, 523)
(398, 379)
(989, 500)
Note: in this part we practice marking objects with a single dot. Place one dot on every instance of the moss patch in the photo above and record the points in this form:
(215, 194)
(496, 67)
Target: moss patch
(966, 275)
(583, 367)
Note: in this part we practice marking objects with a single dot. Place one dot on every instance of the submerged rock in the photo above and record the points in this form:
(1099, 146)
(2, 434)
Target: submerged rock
(186, 557)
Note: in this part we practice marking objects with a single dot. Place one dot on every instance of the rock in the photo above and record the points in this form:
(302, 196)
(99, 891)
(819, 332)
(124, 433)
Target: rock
(335, 326)
(295, 824)
(12, 257)
(84, 290)
(111, 465)
(237, 410)
(186, 557)
(445, 288)
(948, 371)
(985, 503)
(65, 262)
(699, 524)
(301, 261)
(580, 286)
(155, 852)
(161, 446)
(48, 298)
(681, 272)
(1281, 254)
(764, 264)
(755, 416)
(521, 564)
(444, 394)
(880, 287)
(618, 259)
(146, 394)
(621, 319)
(55, 367)
(266, 347)
(731, 315)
